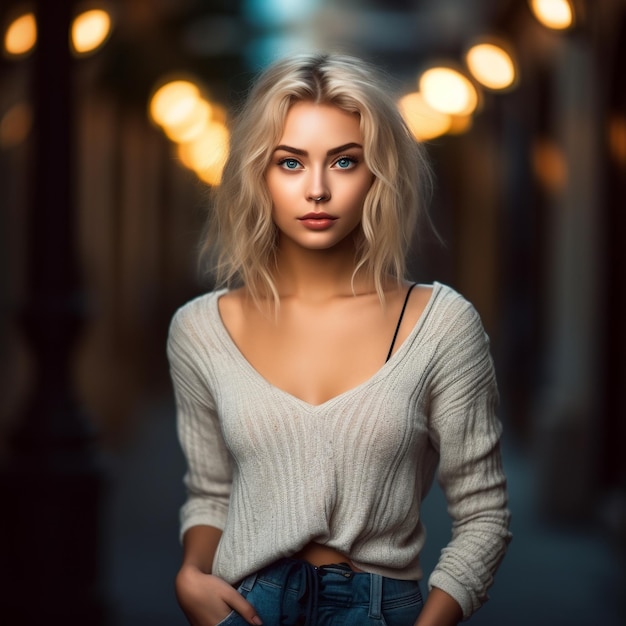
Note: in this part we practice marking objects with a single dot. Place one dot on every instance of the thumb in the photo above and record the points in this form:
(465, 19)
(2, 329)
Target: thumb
(238, 603)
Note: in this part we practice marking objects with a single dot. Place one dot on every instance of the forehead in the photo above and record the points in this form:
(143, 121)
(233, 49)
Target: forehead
(312, 122)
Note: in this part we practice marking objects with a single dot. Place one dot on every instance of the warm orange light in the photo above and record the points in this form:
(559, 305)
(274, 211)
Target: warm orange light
(190, 125)
(617, 139)
(423, 121)
(448, 91)
(15, 125)
(21, 35)
(491, 65)
(549, 165)
(211, 175)
(207, 154)
(555, 14)
(460, 124)
(195, 124)
(174, 101)
(90, 30)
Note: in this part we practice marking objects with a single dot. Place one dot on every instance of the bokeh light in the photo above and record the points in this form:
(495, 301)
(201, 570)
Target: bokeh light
(617, 139)
(549, 165)
(491, 65)
(460, 124)
(15, 125)
(278, 12)
(90, 30)
(555, 14)
(423, 121)
(21, 35)
(448, 91)
(195, 124)
(190, 123)
(206, 155)
(173, 102)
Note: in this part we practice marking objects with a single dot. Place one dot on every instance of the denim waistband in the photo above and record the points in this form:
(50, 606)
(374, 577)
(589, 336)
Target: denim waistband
(314, 584)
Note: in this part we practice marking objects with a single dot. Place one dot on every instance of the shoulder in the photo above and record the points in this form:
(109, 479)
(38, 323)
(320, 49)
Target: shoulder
(462, 366)
(450, 299)
(231, 305)
(196, 309)
(461, 343)
(456, 330)
(190, 320)
(452, 311)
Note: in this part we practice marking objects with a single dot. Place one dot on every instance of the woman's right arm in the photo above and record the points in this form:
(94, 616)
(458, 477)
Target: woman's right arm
(206, 599)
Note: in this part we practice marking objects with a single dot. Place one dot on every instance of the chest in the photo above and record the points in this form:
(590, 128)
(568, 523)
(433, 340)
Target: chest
(316, 355)
(386, 416)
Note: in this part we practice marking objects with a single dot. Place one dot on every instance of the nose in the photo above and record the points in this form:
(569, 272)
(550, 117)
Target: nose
(317, 186)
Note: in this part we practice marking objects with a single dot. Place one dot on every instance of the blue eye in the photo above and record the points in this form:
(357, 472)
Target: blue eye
(345, 163)
(290, 164)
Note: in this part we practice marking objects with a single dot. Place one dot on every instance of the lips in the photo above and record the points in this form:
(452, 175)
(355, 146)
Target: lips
(317, 216)
(317, 221)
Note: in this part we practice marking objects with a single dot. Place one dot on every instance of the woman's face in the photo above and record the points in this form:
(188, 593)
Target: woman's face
(317, 176)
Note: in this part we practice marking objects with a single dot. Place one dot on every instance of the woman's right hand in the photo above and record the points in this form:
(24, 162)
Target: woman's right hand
(206, 599)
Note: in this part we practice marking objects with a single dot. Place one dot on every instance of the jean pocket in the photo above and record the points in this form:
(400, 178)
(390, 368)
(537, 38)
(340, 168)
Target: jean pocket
(404, 610)
(232, 619)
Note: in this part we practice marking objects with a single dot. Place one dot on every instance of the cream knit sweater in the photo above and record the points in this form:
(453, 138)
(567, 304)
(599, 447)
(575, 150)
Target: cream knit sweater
(274, 472)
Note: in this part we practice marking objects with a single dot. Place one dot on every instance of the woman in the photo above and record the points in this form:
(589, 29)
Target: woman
(317, 393)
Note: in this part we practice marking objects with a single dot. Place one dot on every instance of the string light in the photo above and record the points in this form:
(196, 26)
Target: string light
(207, 154)
(491, 65)
(423, 121)
(196, 125)
(21, 35)
(448, 91)
(173, 101)
(190, 125)
(90, 30)
(555, 14)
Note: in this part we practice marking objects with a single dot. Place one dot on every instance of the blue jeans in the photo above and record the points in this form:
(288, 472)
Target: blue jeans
(293, 592)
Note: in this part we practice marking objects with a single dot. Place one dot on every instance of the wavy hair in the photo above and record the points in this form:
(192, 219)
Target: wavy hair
(241, 238)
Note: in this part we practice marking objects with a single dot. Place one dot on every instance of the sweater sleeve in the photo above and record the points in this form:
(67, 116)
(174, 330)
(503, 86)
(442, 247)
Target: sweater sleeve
(465, 431)
(209, 471)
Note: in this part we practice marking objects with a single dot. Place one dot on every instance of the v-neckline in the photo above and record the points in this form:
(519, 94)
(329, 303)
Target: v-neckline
(241, 359)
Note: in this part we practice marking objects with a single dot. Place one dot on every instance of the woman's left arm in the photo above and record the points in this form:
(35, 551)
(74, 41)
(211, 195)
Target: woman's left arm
(466, 432)
(440, 609)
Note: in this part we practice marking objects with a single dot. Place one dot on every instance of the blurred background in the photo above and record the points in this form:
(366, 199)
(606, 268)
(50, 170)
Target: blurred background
(113, 128)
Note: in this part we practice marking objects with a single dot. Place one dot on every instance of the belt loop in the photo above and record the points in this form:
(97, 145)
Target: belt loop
(376, 596)
(248, 582)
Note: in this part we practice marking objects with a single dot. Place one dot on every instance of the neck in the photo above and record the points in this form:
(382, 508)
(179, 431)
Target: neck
(319, 275)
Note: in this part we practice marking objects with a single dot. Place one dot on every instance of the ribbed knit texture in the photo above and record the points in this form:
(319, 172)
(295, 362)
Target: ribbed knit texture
(275, 473)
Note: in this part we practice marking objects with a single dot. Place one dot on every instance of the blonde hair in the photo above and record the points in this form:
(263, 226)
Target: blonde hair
(241, 237)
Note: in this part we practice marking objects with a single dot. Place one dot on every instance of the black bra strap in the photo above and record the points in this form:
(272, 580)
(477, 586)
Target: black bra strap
(395, 335)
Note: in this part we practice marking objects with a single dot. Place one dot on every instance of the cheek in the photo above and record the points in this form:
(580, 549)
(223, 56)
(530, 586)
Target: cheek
(361, 190)
(275, 192)
(281, 201)
(280, 190)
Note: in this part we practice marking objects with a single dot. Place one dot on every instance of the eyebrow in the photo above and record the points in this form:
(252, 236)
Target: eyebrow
(331, 152)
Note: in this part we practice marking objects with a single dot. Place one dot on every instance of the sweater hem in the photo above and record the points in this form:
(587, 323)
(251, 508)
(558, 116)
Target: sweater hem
(452, 587)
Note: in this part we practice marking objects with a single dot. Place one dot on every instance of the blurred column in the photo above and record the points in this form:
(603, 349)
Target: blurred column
(51, 486)
(569, 429)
